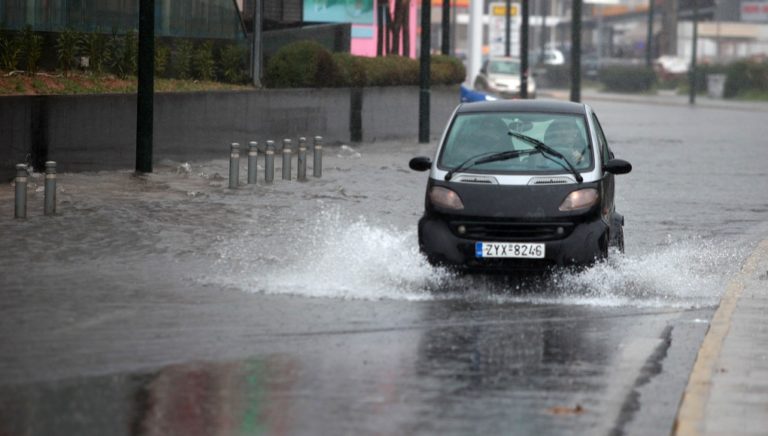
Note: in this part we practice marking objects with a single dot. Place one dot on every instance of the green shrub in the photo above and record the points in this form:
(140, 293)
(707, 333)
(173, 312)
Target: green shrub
(202, 62)
(68, 47)
(31, 49)
(10, 51)
(627, 78)
(702, 71)
(162, 52)
(446, 70)
(352, 70)
(123, 53)
(95, 46)
(391, 70)
(302, 64)
(746, 77)
(183, 60)
(233, 59)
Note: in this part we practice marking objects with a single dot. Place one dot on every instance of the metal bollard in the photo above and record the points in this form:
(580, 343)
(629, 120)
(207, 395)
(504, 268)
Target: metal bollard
(253, 153)
(21, 191)
(50, 188)
(287, 159)
(301, 171)
(269, 162)
(234, 165)
(317, 148)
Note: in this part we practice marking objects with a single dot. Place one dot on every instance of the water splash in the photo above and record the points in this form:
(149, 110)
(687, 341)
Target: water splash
(338, 256)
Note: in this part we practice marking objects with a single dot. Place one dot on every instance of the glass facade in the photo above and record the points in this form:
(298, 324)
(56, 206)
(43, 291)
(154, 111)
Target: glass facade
(181, 18)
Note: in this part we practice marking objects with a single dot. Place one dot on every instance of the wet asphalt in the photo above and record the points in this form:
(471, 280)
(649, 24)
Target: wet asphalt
(168, 304)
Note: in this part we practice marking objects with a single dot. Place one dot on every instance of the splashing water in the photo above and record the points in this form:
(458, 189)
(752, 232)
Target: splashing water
(341, 257)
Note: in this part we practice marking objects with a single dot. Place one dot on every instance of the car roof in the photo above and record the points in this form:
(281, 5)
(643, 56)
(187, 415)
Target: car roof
(562, 107)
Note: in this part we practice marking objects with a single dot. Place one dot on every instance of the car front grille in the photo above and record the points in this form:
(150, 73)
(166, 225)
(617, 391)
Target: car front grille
(511, 230)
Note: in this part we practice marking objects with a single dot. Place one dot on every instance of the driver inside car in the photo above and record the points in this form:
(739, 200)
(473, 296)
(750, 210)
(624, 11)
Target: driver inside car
(565, 137)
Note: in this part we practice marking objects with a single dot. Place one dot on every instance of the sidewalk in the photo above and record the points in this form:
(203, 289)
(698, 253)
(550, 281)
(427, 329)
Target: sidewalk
(663, 97)
(727, 392)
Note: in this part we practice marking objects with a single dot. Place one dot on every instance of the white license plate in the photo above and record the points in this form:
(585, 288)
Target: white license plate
(515, 250)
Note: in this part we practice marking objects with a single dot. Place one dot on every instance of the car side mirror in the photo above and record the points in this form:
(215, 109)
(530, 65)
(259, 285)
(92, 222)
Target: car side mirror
(421, 163)
(617, 166)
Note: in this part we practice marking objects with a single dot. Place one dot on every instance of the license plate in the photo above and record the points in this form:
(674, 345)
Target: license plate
(515, 250)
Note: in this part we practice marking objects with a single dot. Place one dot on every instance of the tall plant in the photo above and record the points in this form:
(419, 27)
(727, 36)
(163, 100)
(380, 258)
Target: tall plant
(162, 52)
(97, 49)
(183, 59)
(10, 51)
(232, 62)
(203, 63)
(32, 49)
(68, 46)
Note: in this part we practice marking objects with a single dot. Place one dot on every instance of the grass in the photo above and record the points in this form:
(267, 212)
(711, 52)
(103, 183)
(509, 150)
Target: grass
(86, 83)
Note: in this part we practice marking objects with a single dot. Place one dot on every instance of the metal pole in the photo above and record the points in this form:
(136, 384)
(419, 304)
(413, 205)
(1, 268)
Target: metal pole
(649, 39)
(287, 159)
(426, 7)
(524, 26)
(692, 74)
(234, 165)
(475, 39)
(146, 86)
(446, 34)
(380, 31)
(50, 188)
(576, 51)
(508, 29)
(256, 44)
(253, 154)
(317, 150)
(301, 171)
(20, 209)
(269, 162)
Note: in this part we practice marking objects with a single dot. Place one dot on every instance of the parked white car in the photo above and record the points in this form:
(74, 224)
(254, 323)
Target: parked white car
(501, 76)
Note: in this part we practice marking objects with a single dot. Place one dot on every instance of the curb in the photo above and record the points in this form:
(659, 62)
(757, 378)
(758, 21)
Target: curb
(690, 414)
(658, 100)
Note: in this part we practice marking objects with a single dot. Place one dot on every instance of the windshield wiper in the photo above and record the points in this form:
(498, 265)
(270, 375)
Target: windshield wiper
(544, 148)
(486, 158)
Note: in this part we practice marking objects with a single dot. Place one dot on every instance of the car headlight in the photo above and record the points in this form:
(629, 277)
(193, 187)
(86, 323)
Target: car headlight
(445, 198)
(581, 199)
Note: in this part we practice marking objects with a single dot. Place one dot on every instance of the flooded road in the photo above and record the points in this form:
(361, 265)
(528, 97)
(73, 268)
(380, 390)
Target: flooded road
(168, 304)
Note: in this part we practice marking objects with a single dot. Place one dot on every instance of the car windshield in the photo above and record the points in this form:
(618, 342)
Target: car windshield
(477, 134)
(504, 67)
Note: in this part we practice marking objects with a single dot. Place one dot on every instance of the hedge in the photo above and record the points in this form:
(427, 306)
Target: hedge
(627, 78)
(744, 77)
(308, 64)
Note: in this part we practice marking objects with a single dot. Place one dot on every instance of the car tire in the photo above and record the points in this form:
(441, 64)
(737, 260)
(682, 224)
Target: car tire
(620, 239)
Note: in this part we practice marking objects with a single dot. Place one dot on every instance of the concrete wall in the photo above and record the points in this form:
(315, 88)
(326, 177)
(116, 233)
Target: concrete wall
(97, 132)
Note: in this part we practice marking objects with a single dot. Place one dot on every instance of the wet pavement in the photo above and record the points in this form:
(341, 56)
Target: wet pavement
(168, 304)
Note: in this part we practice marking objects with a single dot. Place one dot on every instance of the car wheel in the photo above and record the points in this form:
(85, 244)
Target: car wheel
(620, 239)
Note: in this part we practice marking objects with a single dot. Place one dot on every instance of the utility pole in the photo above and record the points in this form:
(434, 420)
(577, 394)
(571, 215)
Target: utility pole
(445, 47)
(524, 49)
(475, 39)
(146, 87)
(692, 73)
(576, 51)
(426, 13)
(649, 40)
(256, 44)
(508, 29)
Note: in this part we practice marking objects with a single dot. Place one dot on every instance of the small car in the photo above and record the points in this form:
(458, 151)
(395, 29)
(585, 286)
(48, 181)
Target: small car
(501, 76)
(520, 184)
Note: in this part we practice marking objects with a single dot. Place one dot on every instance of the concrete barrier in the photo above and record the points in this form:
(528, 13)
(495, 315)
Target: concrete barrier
(97, 132)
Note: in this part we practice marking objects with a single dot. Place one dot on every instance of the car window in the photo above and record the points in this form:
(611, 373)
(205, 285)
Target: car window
(605, 151)
(478, 133)
(504, 67)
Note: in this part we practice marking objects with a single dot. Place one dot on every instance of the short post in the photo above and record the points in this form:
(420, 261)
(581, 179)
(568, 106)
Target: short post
(269, 162)
(317, 149)
(21, 191)
(253, 154)
(302, 163)
(287, 159)
(50, 188)
(234, 165)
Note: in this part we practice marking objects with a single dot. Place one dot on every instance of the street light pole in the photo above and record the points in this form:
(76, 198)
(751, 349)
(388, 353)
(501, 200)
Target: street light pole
(256, 44)
(426, 6)
(524, 49)
(576, 51)
(146, 87)
(649, 40)
(445, 47)
(508, 29)
(692, 73)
